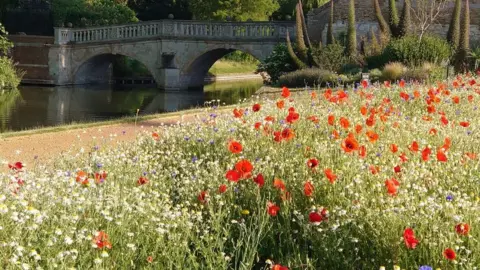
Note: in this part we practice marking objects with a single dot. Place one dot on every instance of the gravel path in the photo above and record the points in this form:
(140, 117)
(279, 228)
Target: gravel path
(42, 148)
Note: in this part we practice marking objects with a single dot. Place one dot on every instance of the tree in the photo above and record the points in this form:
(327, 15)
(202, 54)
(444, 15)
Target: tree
(426, 12)
(351, 31)
(237, 10)
(160, 9)
(301, 47)
(453, 35)
(393, 20)
(461, 59)
(330, 37)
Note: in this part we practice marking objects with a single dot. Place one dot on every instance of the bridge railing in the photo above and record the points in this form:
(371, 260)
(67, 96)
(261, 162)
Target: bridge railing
(176, 29)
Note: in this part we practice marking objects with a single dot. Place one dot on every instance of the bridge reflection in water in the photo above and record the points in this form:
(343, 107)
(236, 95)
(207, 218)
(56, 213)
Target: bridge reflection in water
(51, 106)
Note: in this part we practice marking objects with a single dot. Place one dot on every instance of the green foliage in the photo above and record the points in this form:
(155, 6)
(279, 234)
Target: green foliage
(9, 76)
(351, 31)
(453, 35)
(331, 57)
(237, 10)
(307, 77)
(461, 57)
(298, 63)
(91, 12)
(301, 47)
(412, 52)
(277, 63)
(428, 72)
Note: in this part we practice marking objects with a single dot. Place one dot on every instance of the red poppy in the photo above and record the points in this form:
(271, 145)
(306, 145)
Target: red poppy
(393, 148)
(444, 120)
(202, 197)
(100, 177)
(155, 136)
(278, 183)
(101, 240)
(313, 118)
(350, 144)
(449, 254)
(456, 99)
(363, 110)
(292, 117)
(470, 98)
(374, 169)
(149, 259)
(308, 189)
(358, 129)
(471, 156)
(256, 107)
(397, 169)
(81, 176)
(362, 151)
(392, 186)
(401, 83)
(372, 136)
(462, 228)
(431, 109)
(233, 175)
(404, 96)
(235, 147)
(16, 166)
(426, 153)
(257, 125)
(285, 92)
(441, 156)
(472, 82)
(409, 238)
(331, 120)
(403, 157)
(237, 113)
(279, 267)
(222, 188)
(280, 104)
(413, 147)
(312, 163)
(315, 217)
(272, 209)
(447, 143)
(259, 180)
(370, 120)
(386, 83)
(287, 134)
(344, 122)
(244, 167)
(465, 124)
(433, 131)
(269, 118)
(330, 175)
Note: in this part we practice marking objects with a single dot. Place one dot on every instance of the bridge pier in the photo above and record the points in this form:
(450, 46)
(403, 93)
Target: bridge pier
(169, 79)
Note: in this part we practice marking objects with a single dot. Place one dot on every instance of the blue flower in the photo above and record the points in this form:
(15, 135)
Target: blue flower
(186, 138)
(194, 159)
(99, 165)
(425, 267)
(449, 198)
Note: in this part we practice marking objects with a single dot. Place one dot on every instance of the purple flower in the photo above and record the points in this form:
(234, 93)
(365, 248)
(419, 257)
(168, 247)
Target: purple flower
(194, 159)
(99, 165)
(187, 138)
(449, 198)
(425, 267)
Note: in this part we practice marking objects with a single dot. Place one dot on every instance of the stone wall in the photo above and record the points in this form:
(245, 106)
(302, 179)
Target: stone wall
(365, 17)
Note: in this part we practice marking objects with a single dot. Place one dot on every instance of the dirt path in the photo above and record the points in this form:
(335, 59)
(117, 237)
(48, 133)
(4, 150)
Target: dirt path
(41, 148)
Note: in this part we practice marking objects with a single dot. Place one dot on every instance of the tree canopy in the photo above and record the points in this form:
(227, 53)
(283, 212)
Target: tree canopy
(237, 10)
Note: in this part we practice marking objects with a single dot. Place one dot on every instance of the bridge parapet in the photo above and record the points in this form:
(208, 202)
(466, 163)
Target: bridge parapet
(204, 30)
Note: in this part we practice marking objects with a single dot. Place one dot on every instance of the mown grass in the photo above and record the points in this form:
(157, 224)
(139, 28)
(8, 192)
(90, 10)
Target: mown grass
(225, 67)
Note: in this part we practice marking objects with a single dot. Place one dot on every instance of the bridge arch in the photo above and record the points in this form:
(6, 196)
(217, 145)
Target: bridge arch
(196, 69)
(97, 68)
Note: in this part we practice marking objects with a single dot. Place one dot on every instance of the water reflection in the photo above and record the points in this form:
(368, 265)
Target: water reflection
(31, 107)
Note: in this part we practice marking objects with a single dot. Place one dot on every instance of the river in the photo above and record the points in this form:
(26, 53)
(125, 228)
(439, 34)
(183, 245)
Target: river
(35, 106)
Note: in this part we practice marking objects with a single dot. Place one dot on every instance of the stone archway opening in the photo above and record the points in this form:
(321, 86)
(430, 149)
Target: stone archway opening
(113, 69)
(217, 62)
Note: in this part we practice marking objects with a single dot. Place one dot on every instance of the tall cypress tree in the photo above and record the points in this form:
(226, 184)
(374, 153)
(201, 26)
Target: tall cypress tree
(394, 20)
(299, 63)
(330, 37)
(352, 32)
(453, 35)
(461, 60)
(404, 25)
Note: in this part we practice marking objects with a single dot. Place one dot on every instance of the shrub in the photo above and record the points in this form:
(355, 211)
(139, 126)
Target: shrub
(307, 77)
(9, 77)
(428, 72)
(331, 57)
(412, 52)
(375, 74)
(393, 71)
(277, 63)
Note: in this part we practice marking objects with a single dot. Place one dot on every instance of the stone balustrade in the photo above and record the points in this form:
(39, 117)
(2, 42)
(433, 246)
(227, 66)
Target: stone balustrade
(228, 31)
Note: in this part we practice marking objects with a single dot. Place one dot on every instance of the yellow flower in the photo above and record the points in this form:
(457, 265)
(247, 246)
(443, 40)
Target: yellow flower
(382, 267)
(396, 267)
(245, 212)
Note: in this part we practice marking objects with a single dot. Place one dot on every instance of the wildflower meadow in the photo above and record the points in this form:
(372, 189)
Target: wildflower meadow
(382, 176)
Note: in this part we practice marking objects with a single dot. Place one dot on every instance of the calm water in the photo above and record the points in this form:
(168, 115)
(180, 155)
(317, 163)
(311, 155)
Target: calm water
(33, 106)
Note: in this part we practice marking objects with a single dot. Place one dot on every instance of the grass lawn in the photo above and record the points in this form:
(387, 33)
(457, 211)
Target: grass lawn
(379, 177)
(224, 67)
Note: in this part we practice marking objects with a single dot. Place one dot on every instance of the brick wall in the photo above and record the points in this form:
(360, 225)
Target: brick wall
(31, 55)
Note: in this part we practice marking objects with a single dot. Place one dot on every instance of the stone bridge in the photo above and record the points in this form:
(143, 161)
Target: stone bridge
(178, 54)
